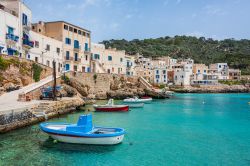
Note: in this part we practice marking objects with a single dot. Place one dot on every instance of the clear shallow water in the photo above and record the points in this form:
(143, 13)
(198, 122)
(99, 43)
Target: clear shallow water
(190, 129)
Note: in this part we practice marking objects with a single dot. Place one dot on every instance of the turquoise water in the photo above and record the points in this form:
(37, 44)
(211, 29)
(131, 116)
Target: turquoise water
(189, 129)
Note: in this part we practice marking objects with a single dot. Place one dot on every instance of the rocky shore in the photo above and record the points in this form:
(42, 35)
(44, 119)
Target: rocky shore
(213, 89)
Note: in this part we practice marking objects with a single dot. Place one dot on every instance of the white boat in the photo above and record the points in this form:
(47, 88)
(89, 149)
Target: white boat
(137, 100)
(136, 105)
(83, 132)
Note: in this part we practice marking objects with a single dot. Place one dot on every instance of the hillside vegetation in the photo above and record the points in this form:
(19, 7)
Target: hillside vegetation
(235, 52)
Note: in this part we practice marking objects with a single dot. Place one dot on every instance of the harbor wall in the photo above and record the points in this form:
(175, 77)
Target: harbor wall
(14, 119)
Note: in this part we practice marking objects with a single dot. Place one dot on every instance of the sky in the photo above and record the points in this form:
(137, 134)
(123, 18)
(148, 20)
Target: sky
(140, 19)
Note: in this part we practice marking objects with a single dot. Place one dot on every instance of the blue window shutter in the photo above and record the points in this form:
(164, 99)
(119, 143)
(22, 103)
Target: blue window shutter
(86, 47)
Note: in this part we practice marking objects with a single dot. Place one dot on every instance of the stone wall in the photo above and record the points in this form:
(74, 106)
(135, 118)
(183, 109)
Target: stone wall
(21, 118)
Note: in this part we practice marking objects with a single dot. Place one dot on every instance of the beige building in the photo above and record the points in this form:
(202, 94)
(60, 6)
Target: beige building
(234, 74)
(107, 60)
(76, 43)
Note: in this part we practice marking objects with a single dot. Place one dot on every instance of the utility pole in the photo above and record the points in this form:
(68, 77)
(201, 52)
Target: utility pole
(54, 78)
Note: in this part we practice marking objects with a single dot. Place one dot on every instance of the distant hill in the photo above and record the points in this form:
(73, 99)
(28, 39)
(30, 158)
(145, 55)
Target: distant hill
(203, 50)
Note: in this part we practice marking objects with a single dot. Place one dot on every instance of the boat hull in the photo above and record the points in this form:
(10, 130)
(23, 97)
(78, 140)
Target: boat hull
(138, 101)
(112, 109)
(87, 140)
(136, 105)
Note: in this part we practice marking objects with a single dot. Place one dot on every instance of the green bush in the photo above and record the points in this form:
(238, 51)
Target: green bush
(4, 64)
(65, 79)
(36, 72)
(162, 86)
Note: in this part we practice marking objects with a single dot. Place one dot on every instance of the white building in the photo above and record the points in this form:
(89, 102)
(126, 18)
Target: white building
(160, 75)
(46, 50)
(219, 69)
(10, 37)
(107, 60)
(130, 65)
(182, 76)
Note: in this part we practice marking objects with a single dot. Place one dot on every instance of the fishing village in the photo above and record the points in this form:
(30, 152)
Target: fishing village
(52, 70)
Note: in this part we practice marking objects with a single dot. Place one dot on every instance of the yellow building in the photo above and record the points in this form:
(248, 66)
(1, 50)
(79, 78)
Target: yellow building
(76, 43)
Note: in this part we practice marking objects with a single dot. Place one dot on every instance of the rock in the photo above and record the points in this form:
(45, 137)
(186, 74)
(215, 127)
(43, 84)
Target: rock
(119, 94)
(101, 96)
(68, 91)
(82, 89)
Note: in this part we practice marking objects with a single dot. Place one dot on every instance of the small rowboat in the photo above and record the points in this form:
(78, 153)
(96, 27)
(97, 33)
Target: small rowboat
(137, 100)
(110, 107)
(83, 132)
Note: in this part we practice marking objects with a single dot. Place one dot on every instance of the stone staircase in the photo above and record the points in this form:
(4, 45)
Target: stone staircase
(144, 82)
(41, 110)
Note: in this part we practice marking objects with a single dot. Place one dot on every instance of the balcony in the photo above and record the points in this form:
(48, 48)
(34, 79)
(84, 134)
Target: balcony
(77, 48)
(68, 58)
(12, 37)
(78, 60)
(28, 44)
(87, 51)
(27, 27)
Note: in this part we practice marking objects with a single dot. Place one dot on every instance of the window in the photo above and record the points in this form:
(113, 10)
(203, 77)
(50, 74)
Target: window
(109, 58)
(25, 19)
(121, 59)
(68, 41)
(39, 30)
(83, 33)
(164, 72)
(96, 56)
(67, 55)
(205, 71)
(219, 66)
(71, 29)
(58, 50)
(76, 57)
(79, 32)
(199, 71)
(67, 67)
(66, 27)
(84, 69)
(36, 59)
(76, 44)
(10, 30)
(75, 68)
(86, 57)
(88, 35)
(33, 27)
(48, 47)
(37, 44)
(75, 30)
(157, 71)
(86, 48)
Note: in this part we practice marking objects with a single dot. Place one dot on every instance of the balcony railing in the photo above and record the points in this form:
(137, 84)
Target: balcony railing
(77, 48)
(78, 60)
(12, 37)
(69, 59)
(87, 50)
(28, 43)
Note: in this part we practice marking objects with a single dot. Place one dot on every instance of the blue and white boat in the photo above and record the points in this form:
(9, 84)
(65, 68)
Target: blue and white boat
(83, 132)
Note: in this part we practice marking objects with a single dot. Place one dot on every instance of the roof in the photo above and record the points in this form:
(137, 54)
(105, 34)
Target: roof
(69, 24)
